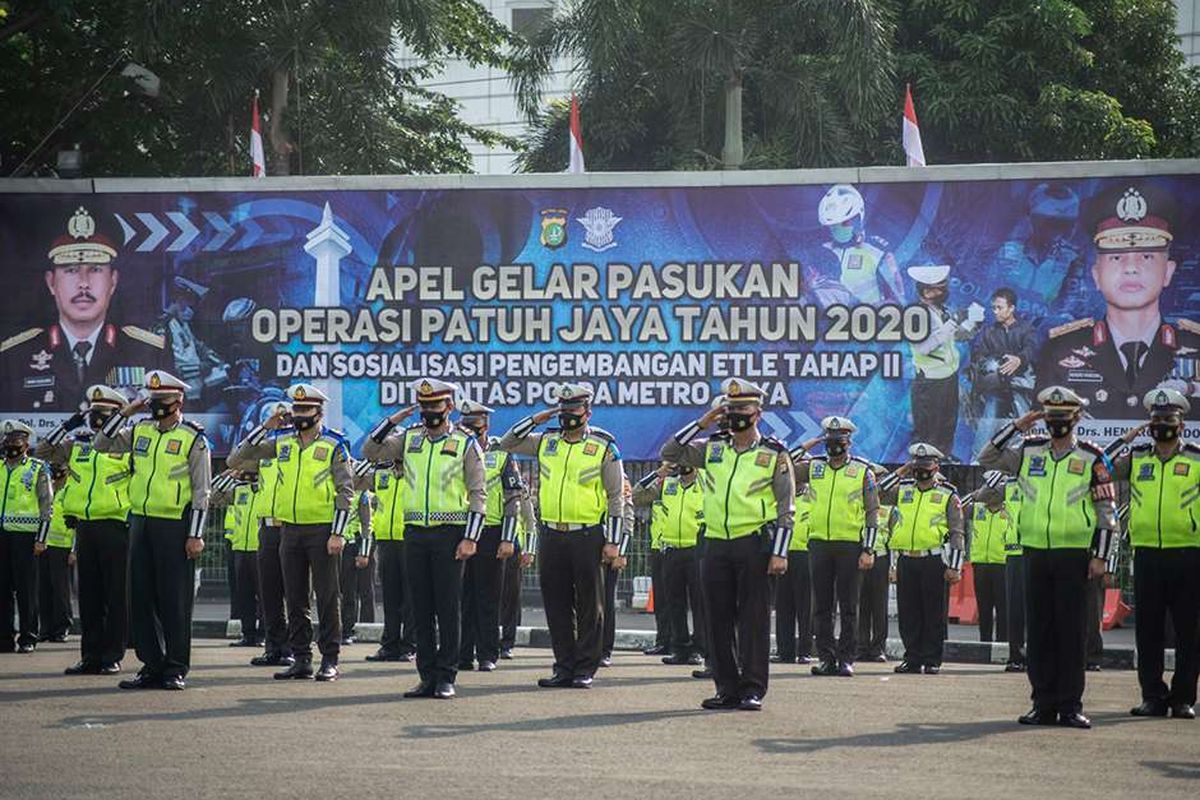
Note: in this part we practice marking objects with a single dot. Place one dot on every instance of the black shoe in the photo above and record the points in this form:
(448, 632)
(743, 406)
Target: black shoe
(506, 653)
(173, 683)
(328, 670)
(407, 658)
(678, 661)
(750, 702)
(559, 680)
(444, 691)
(933, 669)
(422, 689)
(487, 666)
(825, 668)
(299, 671)
(878, 658)
(695, 659)
(143, 680)
(466, 666)
(1183, 711)
(111, 668)
(581, 682)
(1014, 666)
(383, 655)
(656, 650)
(1075, 719)
(845, 670)
(907, 668)
(272, 660)
(25, 649)
(705, 674)
(778, 659)
(83, 668)
(57, 638)
(721, 702)
(804, 659)
(606, 660)
(1149, 708)
(347, 640)
(244, 642)
(1036, 716)
(1093, 666)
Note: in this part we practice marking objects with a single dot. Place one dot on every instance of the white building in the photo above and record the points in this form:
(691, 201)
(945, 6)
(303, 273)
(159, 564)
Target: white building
(1188, 28)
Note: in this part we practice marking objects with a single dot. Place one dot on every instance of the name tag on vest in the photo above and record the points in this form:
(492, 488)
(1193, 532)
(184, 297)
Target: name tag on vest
(1181, 468)
(174, 446)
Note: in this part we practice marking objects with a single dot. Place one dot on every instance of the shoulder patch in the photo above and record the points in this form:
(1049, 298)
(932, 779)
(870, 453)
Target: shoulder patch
(602, 434)
(1189, 325)
(771, 443)
(23, 336)
(1035, 441)
(1091, 447)
(196, 426)
(1068, 327)
(145, 336)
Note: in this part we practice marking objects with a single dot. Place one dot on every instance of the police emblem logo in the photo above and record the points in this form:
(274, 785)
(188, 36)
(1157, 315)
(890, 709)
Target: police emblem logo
(85, 452)
(734, 387)
(98, 394)
(980, 512)
(851, 471)
(817, 471)
(1146, 472)
(715, 453)
(762, 460)
(554, 227)
(552, 445)
(40, 361)
(599, 223)
(299, 394)
(426, 388)
(415, 442)
(384, 479)
(591, 448)
(81, 225)
(937, 497)
(1132, 206)
(1037, 466)
(671, 488)
(243, 499)
(320, 452)
(907, 496)
(1181, 468)
(285, 452)
(155, 381)
(174, 446)
(142, 444)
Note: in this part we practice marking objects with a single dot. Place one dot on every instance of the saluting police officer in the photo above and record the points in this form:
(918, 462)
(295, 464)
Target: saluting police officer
(387, 531)
(443, 519)
(990, 525)
(1164, 483)
(56, 557)
(581, 507)
(1066, 524)
(748, 512)
(27, 504)
(925, 530)
(277, 649)
(172, 473)
(96, 499)
(483, 573)
(510, 585)
(312, 501)
(842, 530)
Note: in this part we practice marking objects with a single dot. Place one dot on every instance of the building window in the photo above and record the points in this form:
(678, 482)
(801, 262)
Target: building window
(527, 21)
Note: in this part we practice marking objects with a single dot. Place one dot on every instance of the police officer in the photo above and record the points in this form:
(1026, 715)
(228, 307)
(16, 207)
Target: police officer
(748, 511)
(238, 492)
(443, 520)
(843, 526)
(168, 492)
(95, 499)
(793, 589)
(612, 572)
(277, 649)
(925, 530)
(866, 267)
(990, 528)
(46, 368)
(676, 500)
(873, 596)
(56, 557)
(25, 511)
(1164, 482)
(312, 501)
(1066, 525)
(387, 531)
(510, 584)
(357, 577)
(581, 507)
(482, 574)
(1014, 577)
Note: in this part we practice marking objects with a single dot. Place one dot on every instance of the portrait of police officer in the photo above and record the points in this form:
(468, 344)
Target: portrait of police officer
(1163, 480)
(47, 367)
(312, 503)
(581, 508)
(168, 494)
(27, 504)
(95, 501)
(1112, 362)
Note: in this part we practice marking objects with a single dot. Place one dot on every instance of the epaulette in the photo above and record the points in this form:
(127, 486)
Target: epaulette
(1035, 441)
(1193, 449)
(1189, 325)
(947, 485)
(1091, 447)
(771, 443)
(145, 336)
(23, 336)
(1067, 327)
(602, 434)
(196, 426)
(862, 461)
(878, 241)
(1143, 448)
(336, 435)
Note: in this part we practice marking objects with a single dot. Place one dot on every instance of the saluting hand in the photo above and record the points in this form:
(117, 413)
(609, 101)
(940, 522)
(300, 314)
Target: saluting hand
(712, 416)
(1026, 420)
(777, 565)
(1134, 432)
(138, 405)
(542, 417)
(402, 414)
(466, 548)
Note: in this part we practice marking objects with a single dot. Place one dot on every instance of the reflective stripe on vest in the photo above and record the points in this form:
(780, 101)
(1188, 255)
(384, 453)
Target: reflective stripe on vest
(940, 362)
(677, 515)
(739, 496)
(241, 519)
(1012, 504)
(989, 531)
(387, 523)
(97, 484)
(493, 470)
(570, 489)
(436, 488)
(920, 520)
(1056, 505)
(60, 535)
(268, 488)
(838, 512)
(305, 492)
(161, 485)
(1163, 500)
(19, 510)
(803, 521)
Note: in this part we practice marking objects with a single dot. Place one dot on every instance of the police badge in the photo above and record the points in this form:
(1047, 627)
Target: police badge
(554, 227)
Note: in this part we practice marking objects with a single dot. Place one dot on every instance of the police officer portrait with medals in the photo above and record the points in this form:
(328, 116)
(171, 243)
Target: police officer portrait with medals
(1066, 523)
(312, 502)
(168, 495)
(581, 505)
(748, 511)
(444, 513)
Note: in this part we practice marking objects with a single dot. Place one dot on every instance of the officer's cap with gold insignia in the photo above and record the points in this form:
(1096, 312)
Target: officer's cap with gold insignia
(840, 425)
(432, 390)
(81, 244)
(922, 452)
(305, 394)
(930, 274)
(1059, 401)
(573, 395)
(14, 427)
(1163, 400)
(161, 383)
(739, 392)
(101, 395)
(469, 408)
(1133, 222)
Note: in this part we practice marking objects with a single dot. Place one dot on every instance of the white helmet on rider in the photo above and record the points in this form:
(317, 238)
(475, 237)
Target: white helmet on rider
(841, 203)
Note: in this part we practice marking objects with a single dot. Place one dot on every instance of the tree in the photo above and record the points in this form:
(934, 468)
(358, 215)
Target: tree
(676, 84)
(335, 96)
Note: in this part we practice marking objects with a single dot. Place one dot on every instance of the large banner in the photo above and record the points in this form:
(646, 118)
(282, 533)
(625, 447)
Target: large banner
(924, 311)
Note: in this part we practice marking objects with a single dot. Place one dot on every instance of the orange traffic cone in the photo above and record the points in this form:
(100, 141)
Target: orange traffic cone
(650, 600)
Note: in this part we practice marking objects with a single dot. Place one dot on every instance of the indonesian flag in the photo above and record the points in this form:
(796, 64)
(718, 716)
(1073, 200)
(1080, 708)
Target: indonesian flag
(576, 162)
(912, 133)
(256, 143)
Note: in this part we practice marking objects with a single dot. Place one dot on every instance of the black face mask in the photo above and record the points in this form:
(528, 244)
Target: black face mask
(14, 451)
(723, 425)
(836, 447)
(924, 473)
(161, 409)
(433, 419)
(476, 430)
(304, 423)
(739, 421)
(684, 472)
(569, 421)
(96, 419)
(1060, 428)
(1164, 431)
